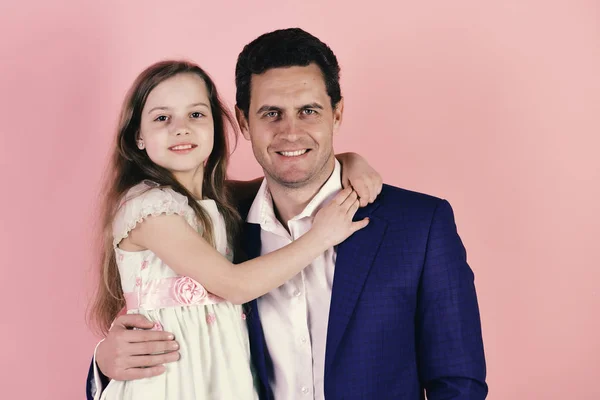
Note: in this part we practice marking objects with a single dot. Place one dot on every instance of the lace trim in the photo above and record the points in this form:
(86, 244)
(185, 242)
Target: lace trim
(153, 202)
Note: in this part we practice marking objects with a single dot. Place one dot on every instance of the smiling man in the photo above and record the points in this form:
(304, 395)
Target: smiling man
(391, 312)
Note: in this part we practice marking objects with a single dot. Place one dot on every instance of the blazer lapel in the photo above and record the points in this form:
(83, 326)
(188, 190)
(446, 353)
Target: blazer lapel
(251, 247)
(354, 259)
(251, 244)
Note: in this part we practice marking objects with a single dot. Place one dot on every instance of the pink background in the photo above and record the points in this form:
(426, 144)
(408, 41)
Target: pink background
(495, 107)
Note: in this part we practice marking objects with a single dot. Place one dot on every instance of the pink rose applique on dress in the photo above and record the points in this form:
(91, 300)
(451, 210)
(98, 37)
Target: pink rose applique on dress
(157, 327)
(138, 281)
(144, 265)
(244, 316)
(210, 318)
(188, 291)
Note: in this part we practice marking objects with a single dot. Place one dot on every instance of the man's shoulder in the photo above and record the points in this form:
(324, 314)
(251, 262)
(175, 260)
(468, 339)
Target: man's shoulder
(395, 204)
(405, 212)
(398, 198)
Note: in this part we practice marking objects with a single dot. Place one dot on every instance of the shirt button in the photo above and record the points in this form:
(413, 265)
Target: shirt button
(296, 293)
(304, 390)
(303, 339)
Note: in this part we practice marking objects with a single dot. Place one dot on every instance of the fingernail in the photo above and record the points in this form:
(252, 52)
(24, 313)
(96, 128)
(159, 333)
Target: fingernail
(171, 337)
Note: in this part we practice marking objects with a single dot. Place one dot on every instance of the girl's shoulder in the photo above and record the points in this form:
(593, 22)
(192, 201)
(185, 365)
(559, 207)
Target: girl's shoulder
(148, 194)
(146, 199)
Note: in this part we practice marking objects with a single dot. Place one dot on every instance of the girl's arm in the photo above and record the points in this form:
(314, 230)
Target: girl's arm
(356, 173)
(176, 243)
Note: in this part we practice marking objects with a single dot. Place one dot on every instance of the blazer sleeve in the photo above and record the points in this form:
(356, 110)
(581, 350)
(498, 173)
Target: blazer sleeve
(449, 342)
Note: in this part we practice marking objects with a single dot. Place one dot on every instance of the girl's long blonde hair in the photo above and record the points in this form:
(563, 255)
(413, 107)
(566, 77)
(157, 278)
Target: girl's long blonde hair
(130, 166)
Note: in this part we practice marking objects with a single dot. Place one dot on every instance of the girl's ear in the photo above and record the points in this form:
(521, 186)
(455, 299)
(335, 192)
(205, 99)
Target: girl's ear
(139, 141)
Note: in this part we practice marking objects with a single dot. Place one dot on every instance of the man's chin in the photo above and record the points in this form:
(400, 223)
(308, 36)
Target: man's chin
(292, 181)
(293, 184)
(297, 177)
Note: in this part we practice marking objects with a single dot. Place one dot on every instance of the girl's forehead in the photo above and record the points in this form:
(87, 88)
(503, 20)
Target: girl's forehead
(180, 90)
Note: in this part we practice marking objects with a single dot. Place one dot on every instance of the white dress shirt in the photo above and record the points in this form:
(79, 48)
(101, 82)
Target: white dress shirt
(295, 315)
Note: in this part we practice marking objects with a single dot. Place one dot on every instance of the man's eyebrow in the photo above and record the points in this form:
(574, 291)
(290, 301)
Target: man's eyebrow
(199, 104)
(267, 107)
(311, 105)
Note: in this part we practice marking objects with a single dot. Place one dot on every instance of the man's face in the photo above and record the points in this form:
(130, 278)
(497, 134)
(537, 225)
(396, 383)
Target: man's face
(291, 125)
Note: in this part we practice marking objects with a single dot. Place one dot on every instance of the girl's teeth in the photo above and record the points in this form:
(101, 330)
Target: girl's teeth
(184, 147)
(293, 153)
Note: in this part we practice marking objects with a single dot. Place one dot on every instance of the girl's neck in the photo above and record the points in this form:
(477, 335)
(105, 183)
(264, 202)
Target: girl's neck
(192, 181)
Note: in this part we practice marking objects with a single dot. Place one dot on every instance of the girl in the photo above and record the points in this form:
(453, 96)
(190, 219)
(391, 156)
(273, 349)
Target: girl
(169, 231)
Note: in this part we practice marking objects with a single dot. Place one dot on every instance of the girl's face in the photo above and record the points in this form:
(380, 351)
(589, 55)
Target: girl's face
(177, 126)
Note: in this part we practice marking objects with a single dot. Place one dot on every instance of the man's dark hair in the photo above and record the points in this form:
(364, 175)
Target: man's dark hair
(285, 48)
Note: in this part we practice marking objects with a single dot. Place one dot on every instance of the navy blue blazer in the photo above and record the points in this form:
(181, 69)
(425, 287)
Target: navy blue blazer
(404, 317)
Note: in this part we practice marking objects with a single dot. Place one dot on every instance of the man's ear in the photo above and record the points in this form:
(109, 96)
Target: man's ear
(338, 114)
(242, 122)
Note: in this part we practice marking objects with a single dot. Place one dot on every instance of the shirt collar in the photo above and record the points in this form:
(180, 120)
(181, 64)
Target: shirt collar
(262, 211)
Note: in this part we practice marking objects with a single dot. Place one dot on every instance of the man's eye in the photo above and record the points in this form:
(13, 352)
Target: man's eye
(308, 111)
(197, 114)
(161, 118)
(272, 114)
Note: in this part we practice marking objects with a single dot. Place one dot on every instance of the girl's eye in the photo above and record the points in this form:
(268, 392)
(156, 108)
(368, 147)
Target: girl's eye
(161, 118)
(197, 114)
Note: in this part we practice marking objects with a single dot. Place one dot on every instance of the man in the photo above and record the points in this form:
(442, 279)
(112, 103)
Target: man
(391, 312)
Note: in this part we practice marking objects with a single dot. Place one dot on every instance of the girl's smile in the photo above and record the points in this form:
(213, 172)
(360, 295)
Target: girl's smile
(183, 148)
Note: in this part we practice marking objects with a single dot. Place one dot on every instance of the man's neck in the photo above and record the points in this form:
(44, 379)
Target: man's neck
(289, 202)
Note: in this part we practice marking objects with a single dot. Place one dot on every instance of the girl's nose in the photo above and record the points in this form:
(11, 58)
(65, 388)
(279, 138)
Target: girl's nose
(179, 128)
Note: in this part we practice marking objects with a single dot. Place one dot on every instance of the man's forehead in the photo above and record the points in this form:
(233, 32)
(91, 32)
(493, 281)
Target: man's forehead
(292, 84)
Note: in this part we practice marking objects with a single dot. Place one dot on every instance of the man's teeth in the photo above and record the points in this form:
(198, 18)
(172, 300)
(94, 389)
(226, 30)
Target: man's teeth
(182, 147)
(293, 153)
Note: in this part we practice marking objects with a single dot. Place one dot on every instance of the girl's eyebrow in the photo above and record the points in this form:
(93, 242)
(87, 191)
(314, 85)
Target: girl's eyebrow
(190, 106)
(157, 108)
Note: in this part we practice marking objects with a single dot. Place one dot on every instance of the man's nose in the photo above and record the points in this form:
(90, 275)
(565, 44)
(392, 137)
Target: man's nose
(290, 129)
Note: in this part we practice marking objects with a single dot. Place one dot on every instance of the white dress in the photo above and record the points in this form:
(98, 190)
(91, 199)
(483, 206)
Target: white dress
(211, 332)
